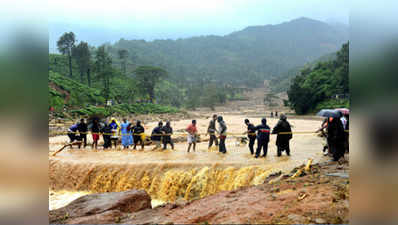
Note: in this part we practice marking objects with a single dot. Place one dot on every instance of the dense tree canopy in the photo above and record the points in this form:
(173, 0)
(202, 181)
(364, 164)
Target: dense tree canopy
(317, 87)
(147, 77)
(65, 45)
(82, 55)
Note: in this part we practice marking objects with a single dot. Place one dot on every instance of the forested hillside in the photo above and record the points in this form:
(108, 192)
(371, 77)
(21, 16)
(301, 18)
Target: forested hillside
(187, 73)
(316, 87)
(241, 58)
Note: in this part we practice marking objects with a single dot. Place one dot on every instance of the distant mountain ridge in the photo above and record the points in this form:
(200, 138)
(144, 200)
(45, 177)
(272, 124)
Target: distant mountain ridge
(242, 57)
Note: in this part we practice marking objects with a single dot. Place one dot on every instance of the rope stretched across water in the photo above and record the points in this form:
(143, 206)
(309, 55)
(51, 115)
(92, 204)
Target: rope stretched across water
(182, 134)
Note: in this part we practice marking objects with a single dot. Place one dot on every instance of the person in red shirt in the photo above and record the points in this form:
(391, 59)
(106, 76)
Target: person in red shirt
(192, 132)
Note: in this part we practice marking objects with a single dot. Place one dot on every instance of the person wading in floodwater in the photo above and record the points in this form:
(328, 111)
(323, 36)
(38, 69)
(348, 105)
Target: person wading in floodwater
(115, 131)
(167, 132)
(95, 130)
(82, 128)
(251, 134)
(222, 130)
(106, 135)
(138, 130)
(156, 136)
(211, 130)
(263, 132)
(72, 134)
(283, 131)
(192, 133)
(127, 139)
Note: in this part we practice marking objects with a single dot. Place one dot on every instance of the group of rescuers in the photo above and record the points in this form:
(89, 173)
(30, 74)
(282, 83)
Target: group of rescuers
(132, 135)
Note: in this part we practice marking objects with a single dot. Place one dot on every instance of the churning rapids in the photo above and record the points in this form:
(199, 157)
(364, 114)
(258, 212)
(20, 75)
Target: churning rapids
(173, 174)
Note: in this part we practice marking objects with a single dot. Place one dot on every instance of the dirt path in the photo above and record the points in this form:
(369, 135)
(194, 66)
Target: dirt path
(253, 104)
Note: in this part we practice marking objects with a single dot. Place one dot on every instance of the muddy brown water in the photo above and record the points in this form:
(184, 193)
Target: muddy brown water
(173, 174)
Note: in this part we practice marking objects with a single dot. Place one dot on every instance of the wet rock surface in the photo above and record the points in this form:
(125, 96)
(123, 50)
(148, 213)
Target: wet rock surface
(101, 208)
(287, 200)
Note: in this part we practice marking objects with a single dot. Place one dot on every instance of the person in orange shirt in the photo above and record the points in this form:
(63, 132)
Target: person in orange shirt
(192, 133)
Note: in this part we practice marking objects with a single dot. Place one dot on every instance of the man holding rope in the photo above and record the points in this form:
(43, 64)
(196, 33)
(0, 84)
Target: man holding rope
(284, 134)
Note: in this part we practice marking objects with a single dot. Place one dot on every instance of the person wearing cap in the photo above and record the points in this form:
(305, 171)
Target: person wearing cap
(211, 130)
(156, 136)
(138, 130)
(263, 132)
(222, 130)
(251, 134)
(191, 138)
(167, 132)
(283, 131)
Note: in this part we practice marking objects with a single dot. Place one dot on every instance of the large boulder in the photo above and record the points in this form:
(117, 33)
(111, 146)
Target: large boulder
(95, 207)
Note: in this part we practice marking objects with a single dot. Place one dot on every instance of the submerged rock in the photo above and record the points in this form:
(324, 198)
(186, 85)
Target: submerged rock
(101, 208)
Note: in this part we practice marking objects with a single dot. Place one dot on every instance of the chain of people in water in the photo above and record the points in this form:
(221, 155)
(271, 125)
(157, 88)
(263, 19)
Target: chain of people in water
(334, 130)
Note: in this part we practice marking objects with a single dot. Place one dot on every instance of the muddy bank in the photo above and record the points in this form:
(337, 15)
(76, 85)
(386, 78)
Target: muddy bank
(317, 195)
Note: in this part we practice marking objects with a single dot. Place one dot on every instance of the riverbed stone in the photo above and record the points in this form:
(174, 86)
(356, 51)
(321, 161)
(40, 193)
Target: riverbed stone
(94, 204)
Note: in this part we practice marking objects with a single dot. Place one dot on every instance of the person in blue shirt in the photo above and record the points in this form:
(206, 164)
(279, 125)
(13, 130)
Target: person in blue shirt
(263, 132)
(127, 138)
(72, 133)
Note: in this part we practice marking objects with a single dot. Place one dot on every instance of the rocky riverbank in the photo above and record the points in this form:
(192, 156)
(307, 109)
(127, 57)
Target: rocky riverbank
(308, 194)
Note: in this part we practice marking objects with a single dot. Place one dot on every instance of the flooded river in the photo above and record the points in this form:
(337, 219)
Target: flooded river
(173, 174)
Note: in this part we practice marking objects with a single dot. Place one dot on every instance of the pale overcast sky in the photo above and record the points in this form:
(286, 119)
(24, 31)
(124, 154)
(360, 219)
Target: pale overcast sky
(101, 21)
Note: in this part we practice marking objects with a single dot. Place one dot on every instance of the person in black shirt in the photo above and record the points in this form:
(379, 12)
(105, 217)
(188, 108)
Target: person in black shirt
(211, 130)
(283, 131)
(223, 134)
(251, 134)
(138, 130)
(263, 132)
(106, 134)
(336, 138)
(156, 136)
(82, 128)
(95, 129)
(167, 132)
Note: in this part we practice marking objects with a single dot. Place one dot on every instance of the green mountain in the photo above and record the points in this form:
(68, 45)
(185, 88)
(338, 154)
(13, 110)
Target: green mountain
(244, 57)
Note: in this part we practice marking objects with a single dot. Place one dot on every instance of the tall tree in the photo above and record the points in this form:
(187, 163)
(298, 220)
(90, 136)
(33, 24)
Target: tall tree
(123, 54)
(103, 67)
(147, 77)
(65, 45)
(81, 53)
